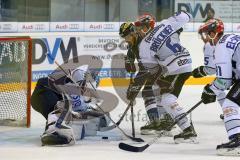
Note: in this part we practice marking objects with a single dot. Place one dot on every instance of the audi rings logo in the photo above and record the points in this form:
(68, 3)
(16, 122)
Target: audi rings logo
(108, 26)
(6, 27)
(110, 46)
(74, 26)
(39, 27)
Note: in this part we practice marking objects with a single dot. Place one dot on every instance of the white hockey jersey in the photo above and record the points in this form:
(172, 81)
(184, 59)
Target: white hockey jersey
(209, 64)
(162, 46)
(227, 58)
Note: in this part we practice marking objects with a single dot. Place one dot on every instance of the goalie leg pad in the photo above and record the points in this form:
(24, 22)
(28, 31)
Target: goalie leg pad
(60, 137)
(56, 139)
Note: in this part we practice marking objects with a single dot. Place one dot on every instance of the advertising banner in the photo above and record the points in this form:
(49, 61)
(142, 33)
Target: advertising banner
(66, 26)
(76, 50)
(228, 11)
(33, 27)
(8, 26)
(101, 26)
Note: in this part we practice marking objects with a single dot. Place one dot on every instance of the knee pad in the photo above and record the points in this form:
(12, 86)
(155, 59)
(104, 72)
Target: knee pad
(168, 99)
(234, 93)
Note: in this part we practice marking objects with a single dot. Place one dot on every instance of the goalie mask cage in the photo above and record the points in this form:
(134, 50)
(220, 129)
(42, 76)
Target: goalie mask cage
(15, 80)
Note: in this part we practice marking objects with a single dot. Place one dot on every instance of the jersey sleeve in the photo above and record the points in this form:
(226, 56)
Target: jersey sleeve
(223, 61)
(209, 65)
(179, 19)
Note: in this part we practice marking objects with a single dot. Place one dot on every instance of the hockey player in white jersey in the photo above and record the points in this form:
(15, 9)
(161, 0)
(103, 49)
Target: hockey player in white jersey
(162, 54)
(227, 61)
(133, 38)
(209, 67)
(70, 116)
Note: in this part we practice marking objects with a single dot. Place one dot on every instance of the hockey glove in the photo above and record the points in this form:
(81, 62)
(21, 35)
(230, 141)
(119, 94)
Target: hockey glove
(136, 85)
(132, 91)
(208, 96)
(129, 65)
(199, 72)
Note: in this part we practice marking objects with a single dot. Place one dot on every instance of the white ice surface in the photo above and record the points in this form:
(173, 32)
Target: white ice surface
(24, 144)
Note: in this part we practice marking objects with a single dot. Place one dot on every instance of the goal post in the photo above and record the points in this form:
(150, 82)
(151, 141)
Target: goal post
(15, 80)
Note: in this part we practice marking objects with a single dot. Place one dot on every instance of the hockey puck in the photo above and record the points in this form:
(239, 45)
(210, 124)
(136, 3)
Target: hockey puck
(104, 137)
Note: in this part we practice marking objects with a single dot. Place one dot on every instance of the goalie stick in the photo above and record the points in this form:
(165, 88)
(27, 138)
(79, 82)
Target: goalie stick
(131, 148)
(66, 109)
(118, 122)
(130, 137)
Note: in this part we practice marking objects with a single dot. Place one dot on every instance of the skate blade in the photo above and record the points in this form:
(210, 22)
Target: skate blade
(165, 133)
(228, 151)
(192, 140)
(148, 132)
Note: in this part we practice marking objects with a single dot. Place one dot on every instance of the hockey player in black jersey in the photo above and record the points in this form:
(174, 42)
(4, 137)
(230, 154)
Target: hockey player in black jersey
(154, 111)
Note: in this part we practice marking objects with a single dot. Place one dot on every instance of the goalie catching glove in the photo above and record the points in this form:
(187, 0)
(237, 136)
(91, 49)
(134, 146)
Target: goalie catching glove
(208, 96)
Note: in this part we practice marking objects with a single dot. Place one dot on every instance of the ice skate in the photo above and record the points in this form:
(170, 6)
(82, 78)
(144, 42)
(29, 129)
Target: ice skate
(231, 148)
(157, 126)
(187, 136)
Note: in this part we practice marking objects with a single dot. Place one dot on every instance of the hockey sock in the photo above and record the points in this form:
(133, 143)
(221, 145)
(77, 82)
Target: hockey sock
(169, 102)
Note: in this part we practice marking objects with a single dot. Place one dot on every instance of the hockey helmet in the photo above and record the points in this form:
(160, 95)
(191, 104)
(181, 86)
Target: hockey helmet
(145, 19)
(83, 76)
(212, 25)
(126, 28)
(79, 75)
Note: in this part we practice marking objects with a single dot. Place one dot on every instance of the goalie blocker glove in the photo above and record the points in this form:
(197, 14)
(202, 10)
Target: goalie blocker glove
(208, 96)
(199, 72)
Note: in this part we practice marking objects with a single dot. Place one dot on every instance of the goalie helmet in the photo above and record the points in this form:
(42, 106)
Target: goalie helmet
(82, 75)
(79, 75)
(212, 25)
(146, 19)
(125, 29)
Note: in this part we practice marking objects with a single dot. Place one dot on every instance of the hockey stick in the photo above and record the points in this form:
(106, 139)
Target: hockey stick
(132, 113)
(131, 148)
(140, 79)
(130, 137)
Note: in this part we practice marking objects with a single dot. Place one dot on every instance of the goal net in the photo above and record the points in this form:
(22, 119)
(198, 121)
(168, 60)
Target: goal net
(15, 80)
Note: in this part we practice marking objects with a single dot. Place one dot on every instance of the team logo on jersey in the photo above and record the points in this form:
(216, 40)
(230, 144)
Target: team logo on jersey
(182, 62)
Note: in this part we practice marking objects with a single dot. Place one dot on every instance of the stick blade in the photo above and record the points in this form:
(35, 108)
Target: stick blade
(136, 139)
(130, 148)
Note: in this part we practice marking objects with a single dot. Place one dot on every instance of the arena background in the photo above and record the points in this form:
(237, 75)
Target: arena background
(90, 27)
